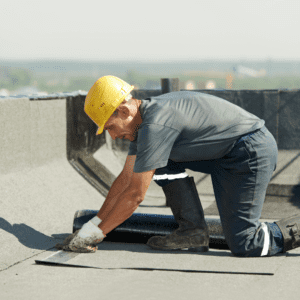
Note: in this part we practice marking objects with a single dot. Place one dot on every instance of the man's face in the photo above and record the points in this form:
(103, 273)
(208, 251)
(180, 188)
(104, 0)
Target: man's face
(119, 126)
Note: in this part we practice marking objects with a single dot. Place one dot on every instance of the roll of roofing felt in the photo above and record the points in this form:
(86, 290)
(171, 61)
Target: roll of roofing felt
(140, 227)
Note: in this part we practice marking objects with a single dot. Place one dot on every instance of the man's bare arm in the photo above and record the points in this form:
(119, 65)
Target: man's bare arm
(127, 202)
(118, 187)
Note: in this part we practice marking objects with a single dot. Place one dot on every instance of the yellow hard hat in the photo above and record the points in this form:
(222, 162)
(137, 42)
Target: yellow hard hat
(104, 97)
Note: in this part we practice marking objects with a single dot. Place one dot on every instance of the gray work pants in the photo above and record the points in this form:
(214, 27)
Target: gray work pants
(240, 180)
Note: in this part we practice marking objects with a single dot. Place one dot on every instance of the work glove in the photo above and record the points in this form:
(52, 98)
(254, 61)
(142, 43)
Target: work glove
(85, 239)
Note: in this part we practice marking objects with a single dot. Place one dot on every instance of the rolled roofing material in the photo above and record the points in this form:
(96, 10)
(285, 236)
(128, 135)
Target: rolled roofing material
(140, 227)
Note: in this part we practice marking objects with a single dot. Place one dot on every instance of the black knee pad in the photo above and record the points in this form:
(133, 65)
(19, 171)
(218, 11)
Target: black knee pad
(164, 182)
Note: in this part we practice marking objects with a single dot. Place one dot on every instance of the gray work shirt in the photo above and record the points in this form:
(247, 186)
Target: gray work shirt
(188, 126)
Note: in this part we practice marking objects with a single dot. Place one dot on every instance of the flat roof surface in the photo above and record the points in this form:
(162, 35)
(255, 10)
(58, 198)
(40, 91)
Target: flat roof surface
(110, 280)
(40, 192)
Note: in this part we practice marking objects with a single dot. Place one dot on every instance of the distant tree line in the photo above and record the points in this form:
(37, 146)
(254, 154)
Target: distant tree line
(13, 78)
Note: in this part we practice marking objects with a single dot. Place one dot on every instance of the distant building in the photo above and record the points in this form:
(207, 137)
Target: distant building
(244, 71)
(229, 81)
(189, 85)
(210, 85)
(4, 92)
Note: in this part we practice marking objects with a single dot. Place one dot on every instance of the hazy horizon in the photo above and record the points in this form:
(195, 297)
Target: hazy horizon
(2, 59)
(154, 31)
(164, 68)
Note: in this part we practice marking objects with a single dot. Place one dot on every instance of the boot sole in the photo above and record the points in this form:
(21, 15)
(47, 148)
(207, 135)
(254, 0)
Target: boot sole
(191, 249)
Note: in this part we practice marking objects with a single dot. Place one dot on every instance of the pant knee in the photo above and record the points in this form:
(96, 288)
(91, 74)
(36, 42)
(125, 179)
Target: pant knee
(245, 244)
(237, 247)
(240, 253)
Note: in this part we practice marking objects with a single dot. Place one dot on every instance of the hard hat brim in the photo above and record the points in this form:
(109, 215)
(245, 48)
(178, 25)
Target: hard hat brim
(100, 130)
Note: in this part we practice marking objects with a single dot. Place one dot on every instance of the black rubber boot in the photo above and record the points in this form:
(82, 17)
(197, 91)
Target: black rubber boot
(188, 212)
(290, 229)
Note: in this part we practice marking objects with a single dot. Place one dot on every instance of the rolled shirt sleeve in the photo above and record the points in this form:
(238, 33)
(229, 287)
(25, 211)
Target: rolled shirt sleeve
(153, 147)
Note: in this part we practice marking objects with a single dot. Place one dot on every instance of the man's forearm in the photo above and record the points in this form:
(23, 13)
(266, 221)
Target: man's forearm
(117, 188)
(125, 204)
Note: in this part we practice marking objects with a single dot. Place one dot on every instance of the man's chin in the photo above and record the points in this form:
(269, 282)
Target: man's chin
(128, 137)
(132, 138)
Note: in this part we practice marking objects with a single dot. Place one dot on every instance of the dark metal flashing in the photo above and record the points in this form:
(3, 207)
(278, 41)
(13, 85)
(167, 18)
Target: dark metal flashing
(61, 258)
(82, 141)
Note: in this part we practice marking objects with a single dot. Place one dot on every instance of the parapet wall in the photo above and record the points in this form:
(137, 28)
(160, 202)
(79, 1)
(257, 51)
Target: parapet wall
(279, 108)
(33, 133)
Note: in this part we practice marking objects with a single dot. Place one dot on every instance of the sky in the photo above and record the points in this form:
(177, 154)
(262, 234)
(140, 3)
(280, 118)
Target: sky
(153, 30)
